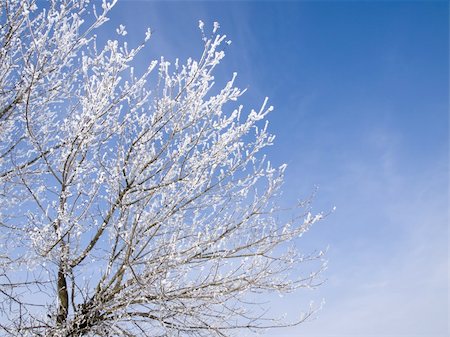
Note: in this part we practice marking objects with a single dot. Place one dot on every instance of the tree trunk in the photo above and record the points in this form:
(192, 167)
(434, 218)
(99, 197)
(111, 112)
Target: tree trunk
(63, 297)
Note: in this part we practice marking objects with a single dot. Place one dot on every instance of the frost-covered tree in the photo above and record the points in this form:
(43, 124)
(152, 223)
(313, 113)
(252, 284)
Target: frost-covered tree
(131, 204)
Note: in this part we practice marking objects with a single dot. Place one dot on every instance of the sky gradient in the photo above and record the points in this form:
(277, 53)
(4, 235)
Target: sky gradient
(360, 91)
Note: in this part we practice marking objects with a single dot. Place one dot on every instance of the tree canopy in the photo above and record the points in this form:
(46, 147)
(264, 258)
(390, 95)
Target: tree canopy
(132, 204)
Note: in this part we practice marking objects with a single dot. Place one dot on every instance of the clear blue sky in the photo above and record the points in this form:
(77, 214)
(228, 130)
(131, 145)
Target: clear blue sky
(360, 91)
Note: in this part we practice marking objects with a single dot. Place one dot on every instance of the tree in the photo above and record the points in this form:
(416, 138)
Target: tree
(131, 205)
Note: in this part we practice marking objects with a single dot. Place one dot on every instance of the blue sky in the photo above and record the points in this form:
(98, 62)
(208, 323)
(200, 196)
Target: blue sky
(360, 91)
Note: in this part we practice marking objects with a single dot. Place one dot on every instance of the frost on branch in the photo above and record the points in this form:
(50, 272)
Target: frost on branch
(132, 203)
